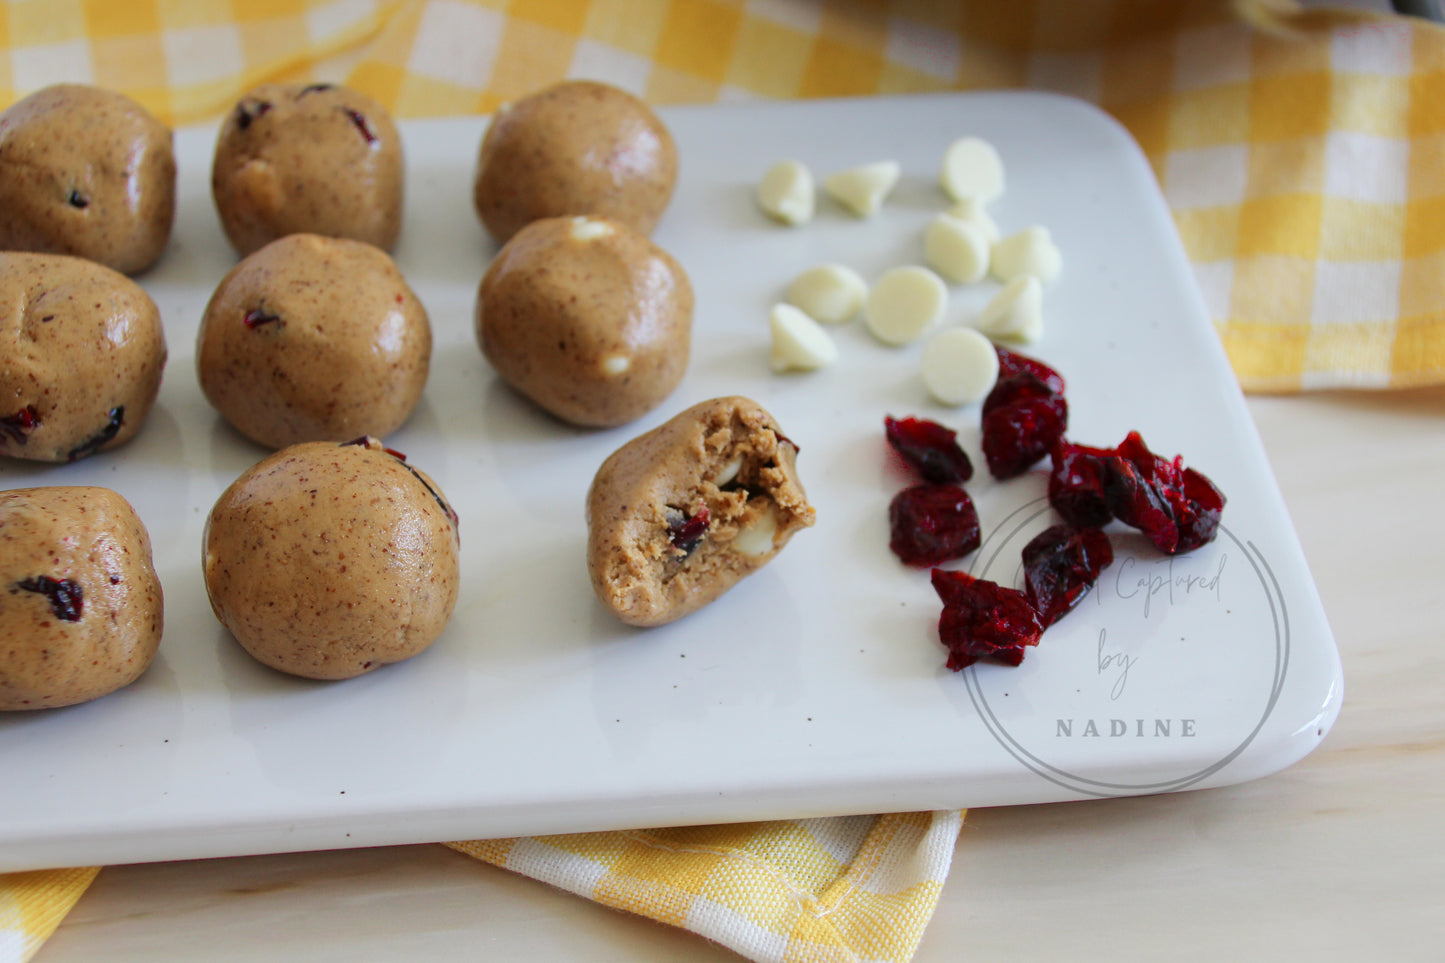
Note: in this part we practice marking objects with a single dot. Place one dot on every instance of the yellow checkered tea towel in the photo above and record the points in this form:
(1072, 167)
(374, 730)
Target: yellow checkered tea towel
(846, 889)
(32, 906)
(842, 889)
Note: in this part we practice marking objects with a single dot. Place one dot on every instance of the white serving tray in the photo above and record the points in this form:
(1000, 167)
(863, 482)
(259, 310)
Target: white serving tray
(817, 686)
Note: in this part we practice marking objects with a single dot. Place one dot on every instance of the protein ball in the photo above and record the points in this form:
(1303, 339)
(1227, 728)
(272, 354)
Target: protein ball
(86, 172)
(327, 561)
(313, 158)
(314, 338)
(577, 147)
(681, 514)
(81, 611)
(587, 318)
(81, 355)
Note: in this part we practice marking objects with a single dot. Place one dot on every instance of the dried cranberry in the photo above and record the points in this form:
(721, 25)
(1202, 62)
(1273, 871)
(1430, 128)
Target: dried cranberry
(249, 110)
(1016, 388)
(983, 620)
(932, 524)
(98, 440)
(1009, 656)
(1061, 563)
(1024, 415)
(258, 316)
(1019, 434)
(1076, 484)
(364, 441)
(1199, 513)
(685, 531)
(1149, 464)
(1177, 508)
(1011, 364)
(19, 425)
(359, 119)
(313, 89)
(436, 495)
(930, 448)
(65, 595)
(446, 509)
(1138, 503)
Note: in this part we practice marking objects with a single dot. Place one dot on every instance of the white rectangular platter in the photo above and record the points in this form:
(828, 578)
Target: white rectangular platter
(817, 686)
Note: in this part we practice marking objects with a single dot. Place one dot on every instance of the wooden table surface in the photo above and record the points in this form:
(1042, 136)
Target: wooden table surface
(1338, 857)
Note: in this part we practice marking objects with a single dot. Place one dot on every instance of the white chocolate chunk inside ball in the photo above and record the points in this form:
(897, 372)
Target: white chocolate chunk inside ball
(956, 249)
(904, 303)
(799, 342)
(972, 210)
(830, 293)
(1016, 313)
(1030, 251)
(971, 168)
(586, 229)
(757, 538)
(728, 472)
(786, 193)
(863, 189)
(959, 366)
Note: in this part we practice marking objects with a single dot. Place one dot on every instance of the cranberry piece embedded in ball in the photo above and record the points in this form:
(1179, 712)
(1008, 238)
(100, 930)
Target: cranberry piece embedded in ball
(65, 595)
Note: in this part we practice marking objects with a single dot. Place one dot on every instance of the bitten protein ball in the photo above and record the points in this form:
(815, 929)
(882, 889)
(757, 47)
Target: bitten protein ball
(315, 159)
(81, 610)
(314, 338)
(87, 172)
(578, 147)
(327, 561)
(587, 318)
(81, 355)
(681, 514)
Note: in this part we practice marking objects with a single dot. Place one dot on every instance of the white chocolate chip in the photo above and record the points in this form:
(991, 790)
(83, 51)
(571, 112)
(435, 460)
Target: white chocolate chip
(1016, 312)
(799, 342)
(586, 229)
(1030, 251)
(972, 210)
(862, 189)
(786, 193)
(757, 538)
(959, 366)
(830, 293)
(956, 249)
(904, 303)
(729, 472)
(615, 365)
(971, 168)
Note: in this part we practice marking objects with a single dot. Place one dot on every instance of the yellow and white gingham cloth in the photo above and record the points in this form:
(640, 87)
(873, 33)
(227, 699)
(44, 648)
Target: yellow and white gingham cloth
(1304, 159)
(835, 890)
